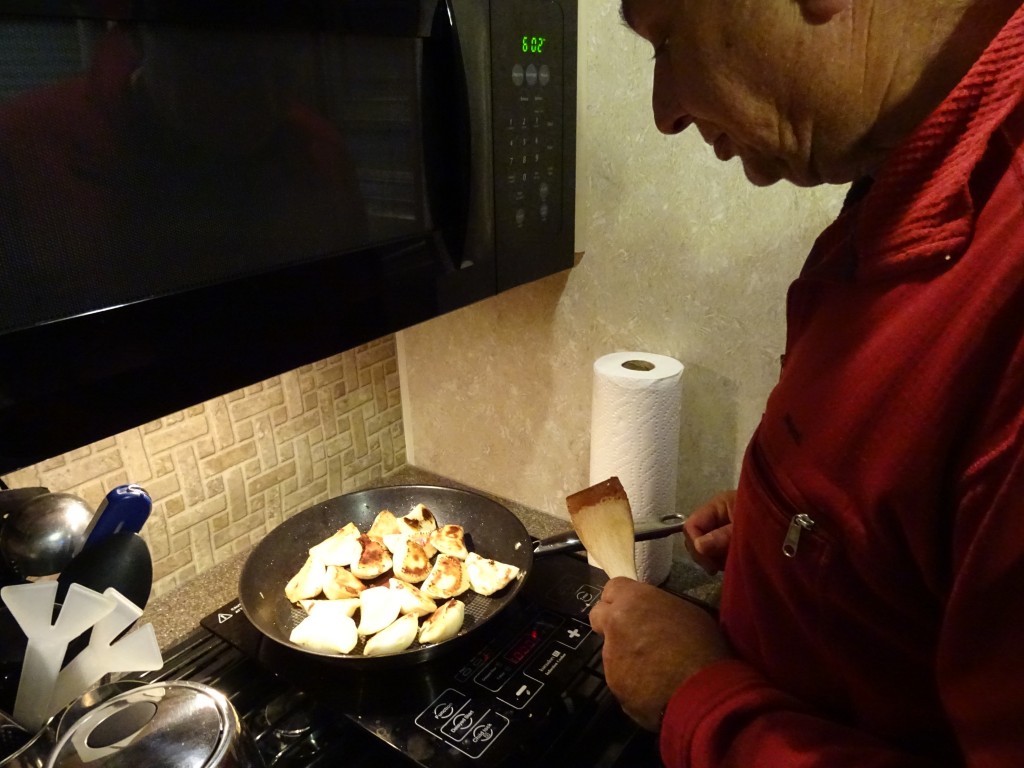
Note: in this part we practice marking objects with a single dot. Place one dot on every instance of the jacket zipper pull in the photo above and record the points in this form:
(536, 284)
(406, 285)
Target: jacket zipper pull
(800, 523)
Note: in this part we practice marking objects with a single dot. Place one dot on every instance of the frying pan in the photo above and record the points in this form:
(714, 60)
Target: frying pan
(491, 530)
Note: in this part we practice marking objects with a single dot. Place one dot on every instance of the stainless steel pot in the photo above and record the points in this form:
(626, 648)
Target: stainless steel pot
(160, 724)
(32, 753)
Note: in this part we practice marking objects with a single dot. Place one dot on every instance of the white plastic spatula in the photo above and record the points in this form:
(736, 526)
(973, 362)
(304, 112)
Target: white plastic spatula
(138, 651)
(32, 607)
(603, 520)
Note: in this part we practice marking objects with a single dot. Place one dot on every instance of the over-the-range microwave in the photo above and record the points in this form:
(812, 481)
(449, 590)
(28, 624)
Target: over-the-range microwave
(196, 195)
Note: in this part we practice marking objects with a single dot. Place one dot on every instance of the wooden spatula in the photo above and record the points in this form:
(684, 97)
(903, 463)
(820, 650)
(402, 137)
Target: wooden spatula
(603, 520)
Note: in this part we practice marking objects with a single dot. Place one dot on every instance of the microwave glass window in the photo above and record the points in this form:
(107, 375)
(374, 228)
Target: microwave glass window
(140, 160)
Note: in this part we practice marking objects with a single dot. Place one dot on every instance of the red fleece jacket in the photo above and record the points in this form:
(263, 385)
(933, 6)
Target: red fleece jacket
(894, 634)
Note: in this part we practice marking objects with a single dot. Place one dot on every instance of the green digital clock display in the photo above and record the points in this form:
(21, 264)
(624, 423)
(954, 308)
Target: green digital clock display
(532, 44)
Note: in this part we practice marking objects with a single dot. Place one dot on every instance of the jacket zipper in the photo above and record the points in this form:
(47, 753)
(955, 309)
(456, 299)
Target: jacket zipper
(799, 523)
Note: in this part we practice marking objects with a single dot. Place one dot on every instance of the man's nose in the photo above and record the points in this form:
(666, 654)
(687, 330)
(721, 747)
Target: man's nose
(669, 116)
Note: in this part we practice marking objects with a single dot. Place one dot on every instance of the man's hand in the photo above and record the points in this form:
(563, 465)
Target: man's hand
(707, 532)
(653, 641)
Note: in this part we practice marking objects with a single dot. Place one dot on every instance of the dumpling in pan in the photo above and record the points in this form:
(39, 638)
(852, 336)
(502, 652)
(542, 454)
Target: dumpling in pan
(340, 584)
(348, 605)
(447, 578)
(378, 607)
(384, 524)
(488, 576)
(451, 540)
(393, 541)
(410, 562)
(444, 623)
(374, 559)
(335, 608)
(342, 548)
(308, 582)
(419, 519)
(394, 638)
(328, 627)
(411, 598)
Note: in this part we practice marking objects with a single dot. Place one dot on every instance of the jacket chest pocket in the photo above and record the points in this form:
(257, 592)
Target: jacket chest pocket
(775, 583)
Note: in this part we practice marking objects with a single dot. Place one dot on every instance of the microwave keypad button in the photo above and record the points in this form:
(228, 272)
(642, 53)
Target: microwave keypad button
(529, 205)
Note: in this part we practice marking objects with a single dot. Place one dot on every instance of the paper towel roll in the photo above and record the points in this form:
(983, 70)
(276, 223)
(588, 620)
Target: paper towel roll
(634, 434)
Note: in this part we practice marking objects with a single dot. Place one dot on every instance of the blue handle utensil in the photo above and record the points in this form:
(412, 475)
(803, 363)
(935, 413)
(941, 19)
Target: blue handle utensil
(125, 508)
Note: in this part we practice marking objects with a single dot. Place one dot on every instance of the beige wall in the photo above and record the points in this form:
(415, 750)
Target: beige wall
(226, 471)
(683, 257)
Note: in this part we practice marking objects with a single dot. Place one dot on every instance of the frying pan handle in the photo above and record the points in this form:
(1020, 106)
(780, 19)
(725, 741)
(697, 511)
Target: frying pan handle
(643, 530)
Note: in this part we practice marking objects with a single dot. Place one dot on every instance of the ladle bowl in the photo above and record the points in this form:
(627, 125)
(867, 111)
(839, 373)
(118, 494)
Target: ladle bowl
(41, 537)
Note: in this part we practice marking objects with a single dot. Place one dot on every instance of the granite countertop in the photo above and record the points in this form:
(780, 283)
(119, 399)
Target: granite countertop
(176, 615)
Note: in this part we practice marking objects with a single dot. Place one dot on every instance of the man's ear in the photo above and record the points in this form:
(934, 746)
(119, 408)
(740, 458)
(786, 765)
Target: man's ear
(821, 11)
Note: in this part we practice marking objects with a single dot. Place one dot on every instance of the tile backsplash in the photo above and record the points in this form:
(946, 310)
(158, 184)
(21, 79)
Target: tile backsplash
(224, 472)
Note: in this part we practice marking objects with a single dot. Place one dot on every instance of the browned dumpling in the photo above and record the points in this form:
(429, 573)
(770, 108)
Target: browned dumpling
(374, 559)
(393, 541)
(341, 584)
(451, 540)
(342, 548)
(308, 582)
(410, 562)
(418, 520)
(384, 524)
(447, 578)
(488, 576)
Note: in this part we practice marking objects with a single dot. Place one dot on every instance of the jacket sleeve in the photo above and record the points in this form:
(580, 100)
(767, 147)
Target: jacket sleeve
(980, 657)
(727, 715)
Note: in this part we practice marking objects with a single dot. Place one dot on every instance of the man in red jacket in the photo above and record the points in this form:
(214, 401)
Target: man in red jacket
(873, 552)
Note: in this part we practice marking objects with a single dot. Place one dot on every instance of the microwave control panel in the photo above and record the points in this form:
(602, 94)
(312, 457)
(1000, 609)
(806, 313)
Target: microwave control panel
(530, 68)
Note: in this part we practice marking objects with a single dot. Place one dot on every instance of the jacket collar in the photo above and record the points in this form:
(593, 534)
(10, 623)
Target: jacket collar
(918, 211)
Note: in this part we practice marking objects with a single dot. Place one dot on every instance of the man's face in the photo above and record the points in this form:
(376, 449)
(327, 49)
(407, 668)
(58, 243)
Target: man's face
(727, 67)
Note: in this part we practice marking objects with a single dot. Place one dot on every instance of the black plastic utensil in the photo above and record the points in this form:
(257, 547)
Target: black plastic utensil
(121, 561)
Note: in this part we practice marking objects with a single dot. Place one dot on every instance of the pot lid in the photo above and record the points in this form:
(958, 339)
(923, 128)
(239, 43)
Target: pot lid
(173, 723)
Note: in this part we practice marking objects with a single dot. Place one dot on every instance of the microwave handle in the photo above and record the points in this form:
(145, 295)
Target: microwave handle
(470, 38)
